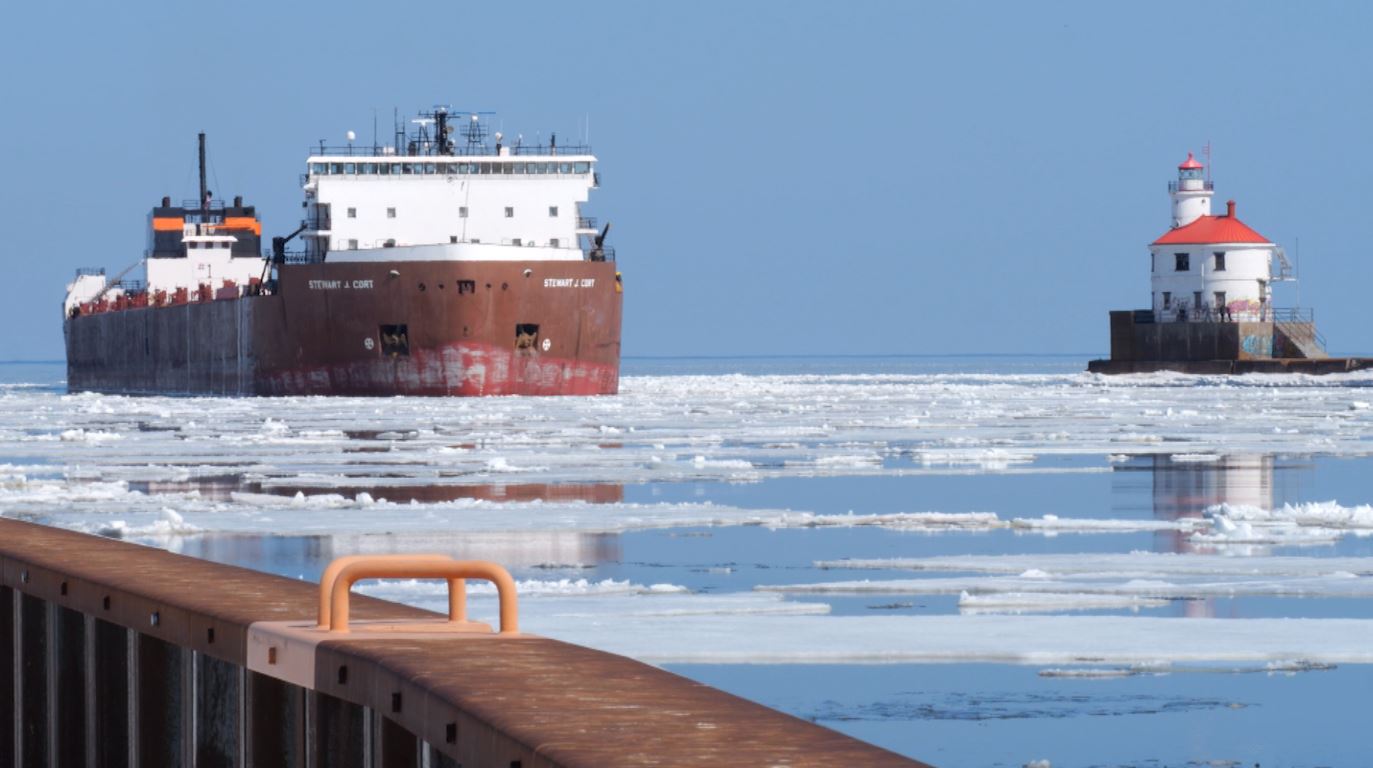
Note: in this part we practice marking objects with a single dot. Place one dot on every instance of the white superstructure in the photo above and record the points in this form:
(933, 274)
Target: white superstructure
(446, 201)
(1210, 267)
(209, 261)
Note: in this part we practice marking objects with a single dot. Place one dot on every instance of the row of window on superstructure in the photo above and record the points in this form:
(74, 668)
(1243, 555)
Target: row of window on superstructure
(1182, 262)
(488, 168)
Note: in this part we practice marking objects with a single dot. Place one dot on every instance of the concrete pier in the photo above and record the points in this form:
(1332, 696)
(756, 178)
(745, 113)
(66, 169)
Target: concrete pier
(113, 654)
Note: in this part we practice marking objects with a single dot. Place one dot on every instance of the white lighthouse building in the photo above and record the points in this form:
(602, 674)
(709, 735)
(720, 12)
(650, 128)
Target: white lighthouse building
(1210, 267)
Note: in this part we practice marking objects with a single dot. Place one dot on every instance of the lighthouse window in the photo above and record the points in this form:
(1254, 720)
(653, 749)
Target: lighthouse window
(509, 212)
(1167, 300)
(552, 211)
(1220, 261)
(390, 213)
(1181, 262)
(352, 213)
(462, 212)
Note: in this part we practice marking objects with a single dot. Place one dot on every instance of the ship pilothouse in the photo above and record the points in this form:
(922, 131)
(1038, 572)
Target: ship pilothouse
(448, 190)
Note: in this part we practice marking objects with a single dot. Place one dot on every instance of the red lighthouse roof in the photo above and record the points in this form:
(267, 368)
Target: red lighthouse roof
(1208, 230)
(1189, 164)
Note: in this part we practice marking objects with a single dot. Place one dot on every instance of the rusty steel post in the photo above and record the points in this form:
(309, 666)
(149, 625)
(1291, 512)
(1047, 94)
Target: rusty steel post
(160, 732)
(337, 733)
(68, 723)
(217, 689)
(274, 723)
(8, 689)
(33, 682)
(398, 746)
(110, 683)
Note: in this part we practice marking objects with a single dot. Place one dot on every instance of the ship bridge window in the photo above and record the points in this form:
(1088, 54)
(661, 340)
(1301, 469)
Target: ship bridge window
(429, 168)
(519, 168)
(552, 211)
(485, 168)
(319, 168)
(581, 168)
(336, 168)
(350, 168)
(407, 168)
(462, 211)
(368, 168)
(390, 213)
(384, 168)
(564, 167)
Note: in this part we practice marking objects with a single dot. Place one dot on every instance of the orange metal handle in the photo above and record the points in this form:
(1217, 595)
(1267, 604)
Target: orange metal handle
(326, 581)
(426, 567)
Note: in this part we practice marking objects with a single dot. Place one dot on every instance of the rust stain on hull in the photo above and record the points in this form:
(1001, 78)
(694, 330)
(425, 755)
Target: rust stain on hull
(369, 328)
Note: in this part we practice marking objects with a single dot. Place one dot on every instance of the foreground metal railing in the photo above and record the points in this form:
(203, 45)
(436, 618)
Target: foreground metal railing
(113, 654)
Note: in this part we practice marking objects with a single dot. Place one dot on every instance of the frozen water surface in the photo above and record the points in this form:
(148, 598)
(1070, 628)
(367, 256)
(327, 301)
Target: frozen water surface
(922, 552)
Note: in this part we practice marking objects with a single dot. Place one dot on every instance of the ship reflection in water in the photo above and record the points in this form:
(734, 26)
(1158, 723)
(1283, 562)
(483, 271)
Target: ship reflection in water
(1185, 487)
(306, 556)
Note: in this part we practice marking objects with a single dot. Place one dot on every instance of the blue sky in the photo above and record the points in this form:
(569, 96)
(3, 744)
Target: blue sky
(783, 178)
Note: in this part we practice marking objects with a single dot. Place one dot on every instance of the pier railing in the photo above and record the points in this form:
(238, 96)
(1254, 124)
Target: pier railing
(113, 654)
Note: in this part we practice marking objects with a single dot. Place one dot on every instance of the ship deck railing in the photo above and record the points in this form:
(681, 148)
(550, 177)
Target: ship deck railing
(460, 150)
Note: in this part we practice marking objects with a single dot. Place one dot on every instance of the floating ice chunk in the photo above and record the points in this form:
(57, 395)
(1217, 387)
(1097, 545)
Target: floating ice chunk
(88, 436)
(1323, 514)
(500, 464)
(1194, 458)
(1055, 524)
(1128, 565)
(701, 462)
(1050, 602)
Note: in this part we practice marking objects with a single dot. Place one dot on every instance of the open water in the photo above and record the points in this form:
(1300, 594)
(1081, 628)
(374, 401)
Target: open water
(972, 561)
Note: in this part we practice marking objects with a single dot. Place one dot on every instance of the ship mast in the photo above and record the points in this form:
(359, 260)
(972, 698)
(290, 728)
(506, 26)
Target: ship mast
(204, 193)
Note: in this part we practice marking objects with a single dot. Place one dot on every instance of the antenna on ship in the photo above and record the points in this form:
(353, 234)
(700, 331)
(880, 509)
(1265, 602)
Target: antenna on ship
(204, 191)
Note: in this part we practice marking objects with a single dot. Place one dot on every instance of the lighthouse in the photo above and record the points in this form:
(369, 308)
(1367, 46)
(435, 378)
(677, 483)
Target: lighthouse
(1211, 288)
(1209, 267)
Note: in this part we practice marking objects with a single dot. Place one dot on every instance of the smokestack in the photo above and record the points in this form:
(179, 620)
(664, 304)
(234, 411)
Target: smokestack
(166, 201)
(238, 201)
(1230, 208)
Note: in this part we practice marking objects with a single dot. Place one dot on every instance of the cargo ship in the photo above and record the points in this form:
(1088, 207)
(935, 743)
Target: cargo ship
(451, 262)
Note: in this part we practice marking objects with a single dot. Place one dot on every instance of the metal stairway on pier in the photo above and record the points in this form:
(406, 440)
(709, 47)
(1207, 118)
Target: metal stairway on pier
(1304, 338)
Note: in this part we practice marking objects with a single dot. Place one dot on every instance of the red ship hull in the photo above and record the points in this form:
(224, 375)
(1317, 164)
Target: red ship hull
(369, 328)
